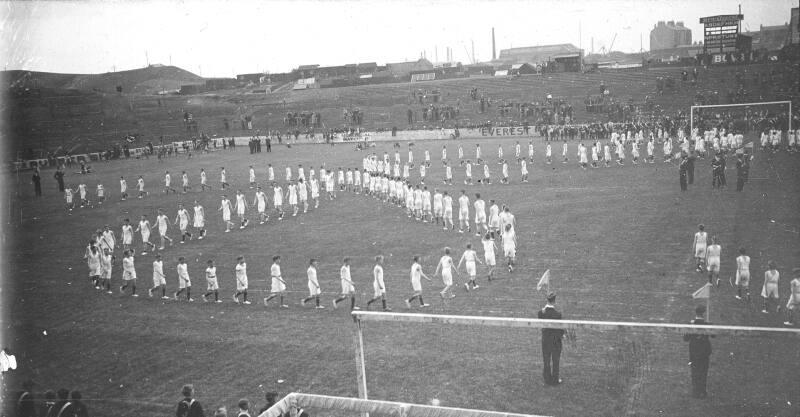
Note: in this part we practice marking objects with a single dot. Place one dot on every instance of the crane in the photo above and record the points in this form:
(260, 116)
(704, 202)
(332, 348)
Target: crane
(611, 48)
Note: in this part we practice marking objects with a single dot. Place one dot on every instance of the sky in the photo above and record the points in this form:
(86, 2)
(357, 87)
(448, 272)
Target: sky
(225, 38)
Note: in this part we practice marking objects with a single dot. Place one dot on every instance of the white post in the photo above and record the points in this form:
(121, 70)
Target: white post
(361, 371)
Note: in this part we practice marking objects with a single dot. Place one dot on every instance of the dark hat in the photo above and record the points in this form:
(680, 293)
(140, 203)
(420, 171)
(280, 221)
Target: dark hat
(551, 297)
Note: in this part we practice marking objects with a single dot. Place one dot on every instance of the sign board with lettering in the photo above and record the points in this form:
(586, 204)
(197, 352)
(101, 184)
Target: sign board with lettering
(720, 33)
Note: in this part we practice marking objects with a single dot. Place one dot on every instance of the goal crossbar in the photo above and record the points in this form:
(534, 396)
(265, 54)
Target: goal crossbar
(707, 106)
(296, 400)
(676, 328)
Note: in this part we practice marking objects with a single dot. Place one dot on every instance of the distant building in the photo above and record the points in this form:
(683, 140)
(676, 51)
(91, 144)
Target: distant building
(538, 55)
(221, 83)
(668, 35)
(794, 27)
(403, 69)
(255, 78)
(770, 38)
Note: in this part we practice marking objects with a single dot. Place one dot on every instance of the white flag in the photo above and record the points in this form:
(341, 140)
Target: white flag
(544, 282)
(703, 292)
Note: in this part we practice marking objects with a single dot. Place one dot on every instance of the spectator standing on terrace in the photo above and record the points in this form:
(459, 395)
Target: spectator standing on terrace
(26, 405)
(188, 406)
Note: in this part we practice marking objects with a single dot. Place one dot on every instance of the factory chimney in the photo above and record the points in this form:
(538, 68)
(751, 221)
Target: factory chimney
(493, 50)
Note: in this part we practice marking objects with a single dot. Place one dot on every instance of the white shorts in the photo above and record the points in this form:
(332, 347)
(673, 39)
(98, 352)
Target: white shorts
(377, 291)
(162, 232)
(700, 252)
(212, 284)
(313, 290)
(438, 211)
(347, 287)
(416, 285)
(448, 214)
(226, 217)
(183, 226)
(742, 278)
(769, 291)
(199, 223)
(510, 251)
(489, 259)
(261, 208)
(240, 212)
(463, 215)
(105, 274)
(128, 275)
(480, 218)
(292, 200)
(184, 283)
(713, 264)
(495, 223)
(145, 237)
(277, 285)
(241, 285)
(159, 281)
(471, 269)
(447, 279)
(127, 240)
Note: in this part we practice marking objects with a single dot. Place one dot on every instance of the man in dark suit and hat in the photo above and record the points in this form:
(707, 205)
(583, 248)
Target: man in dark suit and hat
(551, 342)
(699, 354)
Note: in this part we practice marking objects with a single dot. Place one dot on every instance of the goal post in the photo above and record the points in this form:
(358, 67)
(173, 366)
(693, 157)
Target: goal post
(664, 331)
(296, 401)
(740, 105)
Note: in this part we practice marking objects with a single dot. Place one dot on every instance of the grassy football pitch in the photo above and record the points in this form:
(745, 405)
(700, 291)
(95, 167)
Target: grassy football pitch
(617, 241)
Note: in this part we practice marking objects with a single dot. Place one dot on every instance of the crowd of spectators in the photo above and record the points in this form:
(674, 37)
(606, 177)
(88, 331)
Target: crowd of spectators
(304, 119)
(66, 403)
(353, 116)
(61, 403)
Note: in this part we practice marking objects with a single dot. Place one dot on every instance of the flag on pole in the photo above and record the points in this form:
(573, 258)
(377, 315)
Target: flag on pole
(703, 292)
(544, 282)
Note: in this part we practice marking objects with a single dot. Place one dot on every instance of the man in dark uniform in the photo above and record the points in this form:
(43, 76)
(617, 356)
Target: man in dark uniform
(716, 171)
(59, 176)
(690, 166)
(683, 170)
(742, 170)
(699, 354)
(551, 342)
(37, 183)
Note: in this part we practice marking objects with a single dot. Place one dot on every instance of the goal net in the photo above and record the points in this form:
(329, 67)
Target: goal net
(608, 368)
(743, 118)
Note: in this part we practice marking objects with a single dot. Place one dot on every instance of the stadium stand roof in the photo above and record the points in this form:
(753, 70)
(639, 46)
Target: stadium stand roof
(537, 54)
(405, 68)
